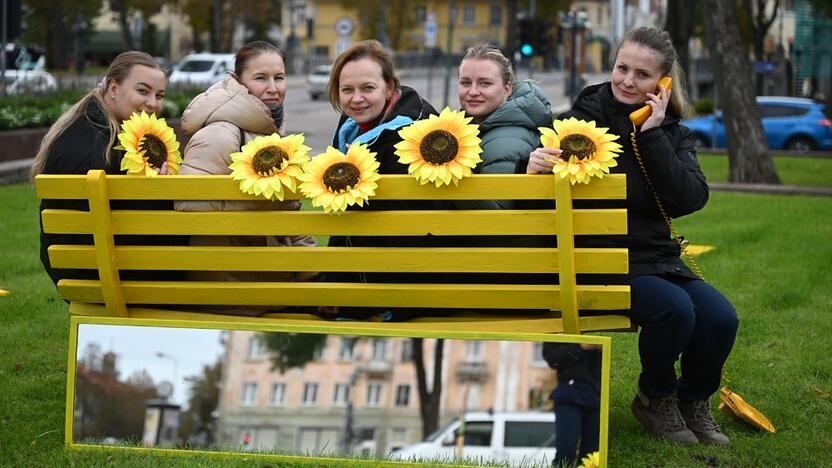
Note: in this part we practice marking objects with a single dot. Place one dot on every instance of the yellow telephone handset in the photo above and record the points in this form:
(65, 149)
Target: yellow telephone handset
(640, 116)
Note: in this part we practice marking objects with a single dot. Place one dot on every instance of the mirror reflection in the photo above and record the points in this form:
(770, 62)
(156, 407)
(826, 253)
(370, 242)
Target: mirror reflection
(334, 395)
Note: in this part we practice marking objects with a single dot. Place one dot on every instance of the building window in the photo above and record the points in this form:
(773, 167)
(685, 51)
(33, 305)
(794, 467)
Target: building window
(379, 349)
(346, 350)
(318, 353)
(469, 14)
(402, 395)
(277, 397)
(495, 17)
(310, 394)
(398, 434)
(255, 348)
(537, 355)
(248, 397)
(473, 397)
(473, 350)
(374, 394)
(421, 13)
(407, 350)
(341, 395)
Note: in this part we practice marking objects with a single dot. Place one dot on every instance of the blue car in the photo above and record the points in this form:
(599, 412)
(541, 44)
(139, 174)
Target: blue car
(795, 124)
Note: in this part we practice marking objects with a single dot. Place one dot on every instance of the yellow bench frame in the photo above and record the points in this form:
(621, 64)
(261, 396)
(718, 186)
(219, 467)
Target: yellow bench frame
(110, 296)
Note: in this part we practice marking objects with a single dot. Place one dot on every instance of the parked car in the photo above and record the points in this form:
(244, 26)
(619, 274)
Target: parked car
(516, 438)
(796, 124)
(202, 69)
(29, 82)
(317, 81)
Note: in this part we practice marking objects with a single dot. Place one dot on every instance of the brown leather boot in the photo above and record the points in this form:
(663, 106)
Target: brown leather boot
(661, 418)
(698, 418)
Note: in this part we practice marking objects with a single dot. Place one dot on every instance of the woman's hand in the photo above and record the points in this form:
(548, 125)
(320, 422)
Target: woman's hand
(542, 160)
(658, 103)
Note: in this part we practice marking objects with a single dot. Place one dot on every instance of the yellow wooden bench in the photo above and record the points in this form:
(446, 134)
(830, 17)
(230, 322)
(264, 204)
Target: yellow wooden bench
(112, 297)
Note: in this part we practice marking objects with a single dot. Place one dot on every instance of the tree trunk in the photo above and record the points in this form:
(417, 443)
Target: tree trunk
(748, 158)
(428, 400)
(510, 47)
(680, 26)
(124, 23)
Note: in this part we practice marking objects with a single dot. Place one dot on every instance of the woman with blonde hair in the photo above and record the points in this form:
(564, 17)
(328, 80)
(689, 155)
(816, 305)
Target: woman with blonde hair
(83, 138)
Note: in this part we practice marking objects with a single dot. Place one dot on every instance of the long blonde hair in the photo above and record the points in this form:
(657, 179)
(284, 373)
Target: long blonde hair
(658, 40)
(118, 71)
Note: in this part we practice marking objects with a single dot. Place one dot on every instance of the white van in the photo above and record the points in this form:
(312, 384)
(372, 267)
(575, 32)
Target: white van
(517, 438)
(202, 69)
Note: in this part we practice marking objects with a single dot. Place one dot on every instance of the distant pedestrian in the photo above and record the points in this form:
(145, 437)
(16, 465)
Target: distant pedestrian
(577, 399)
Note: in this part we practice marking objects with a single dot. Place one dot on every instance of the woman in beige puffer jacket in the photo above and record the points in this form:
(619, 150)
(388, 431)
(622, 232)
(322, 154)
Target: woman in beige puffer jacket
(220, 120)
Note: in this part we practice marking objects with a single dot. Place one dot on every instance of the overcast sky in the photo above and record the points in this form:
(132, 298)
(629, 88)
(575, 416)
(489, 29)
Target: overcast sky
(136, 348)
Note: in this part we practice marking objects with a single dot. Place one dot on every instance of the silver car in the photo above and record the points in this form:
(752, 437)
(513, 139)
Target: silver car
(317, 81)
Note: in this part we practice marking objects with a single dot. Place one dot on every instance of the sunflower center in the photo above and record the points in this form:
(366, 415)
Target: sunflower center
(154, 150)
(576, 145)
(439, 147)
(341, 176)
(267, 159)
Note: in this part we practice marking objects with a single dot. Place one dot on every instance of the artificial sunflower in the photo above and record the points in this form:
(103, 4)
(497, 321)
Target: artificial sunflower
(593, 460)
(150, 146)
(266, 164)
(440, 149)
(587, 150)
(335, 180)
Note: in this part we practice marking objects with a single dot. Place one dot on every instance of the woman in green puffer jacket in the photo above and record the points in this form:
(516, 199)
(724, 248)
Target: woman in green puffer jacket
(508, 114)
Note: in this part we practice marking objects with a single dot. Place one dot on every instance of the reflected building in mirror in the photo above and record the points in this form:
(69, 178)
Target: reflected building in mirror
(361, 394)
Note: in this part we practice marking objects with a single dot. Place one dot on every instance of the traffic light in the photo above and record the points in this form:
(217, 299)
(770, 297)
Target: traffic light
(529, 40)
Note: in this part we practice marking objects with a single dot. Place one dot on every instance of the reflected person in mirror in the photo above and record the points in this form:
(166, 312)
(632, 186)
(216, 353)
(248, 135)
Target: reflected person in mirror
(680, 315)
(577, 399)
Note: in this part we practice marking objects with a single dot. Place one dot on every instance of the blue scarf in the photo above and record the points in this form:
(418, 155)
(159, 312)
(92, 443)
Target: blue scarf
(348, 133)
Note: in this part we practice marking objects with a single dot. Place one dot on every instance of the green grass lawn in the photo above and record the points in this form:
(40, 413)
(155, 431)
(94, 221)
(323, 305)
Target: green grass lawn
(772, 260)
(793, 170)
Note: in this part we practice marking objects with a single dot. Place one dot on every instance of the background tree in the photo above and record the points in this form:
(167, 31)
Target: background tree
(290, 350)
(397, 15)
(429, 399)
(759, 22)
(197, 422)
(680, 24)
(198, 16)
(49, 22)
(748, 157)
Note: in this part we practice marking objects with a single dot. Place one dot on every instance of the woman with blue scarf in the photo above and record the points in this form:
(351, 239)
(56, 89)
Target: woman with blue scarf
(374, 106)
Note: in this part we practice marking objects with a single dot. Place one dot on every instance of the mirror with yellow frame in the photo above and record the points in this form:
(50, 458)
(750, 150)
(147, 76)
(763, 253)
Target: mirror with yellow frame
(477, 397)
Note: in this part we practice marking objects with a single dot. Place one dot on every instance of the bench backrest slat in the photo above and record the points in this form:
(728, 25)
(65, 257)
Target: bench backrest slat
(370, 259)
(394, 187)
(465, 296)
(370, 223)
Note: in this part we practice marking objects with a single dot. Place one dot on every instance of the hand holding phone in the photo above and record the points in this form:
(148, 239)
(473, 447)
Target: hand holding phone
(640, 116)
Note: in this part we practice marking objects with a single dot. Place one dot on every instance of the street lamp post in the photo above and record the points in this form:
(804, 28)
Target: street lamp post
(573, 22)
(173, 360)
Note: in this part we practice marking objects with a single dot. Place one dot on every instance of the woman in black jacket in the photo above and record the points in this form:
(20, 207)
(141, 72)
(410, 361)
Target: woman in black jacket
(82, 139)
(680, 315)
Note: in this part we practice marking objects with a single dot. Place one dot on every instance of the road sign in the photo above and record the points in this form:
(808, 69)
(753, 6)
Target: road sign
(430, 30)
(344, 27)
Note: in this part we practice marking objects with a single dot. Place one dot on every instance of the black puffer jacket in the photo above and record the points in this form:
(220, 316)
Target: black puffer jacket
(80, 148)
(671, 164)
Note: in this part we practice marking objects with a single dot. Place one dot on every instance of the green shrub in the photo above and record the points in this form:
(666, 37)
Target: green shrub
(36, 111)
(704, 105)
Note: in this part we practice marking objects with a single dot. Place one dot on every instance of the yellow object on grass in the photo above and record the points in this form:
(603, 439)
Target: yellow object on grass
(150, 146)
(334, 180)
(441, 149)
(266, 164)
(698, 249)
(588, 151)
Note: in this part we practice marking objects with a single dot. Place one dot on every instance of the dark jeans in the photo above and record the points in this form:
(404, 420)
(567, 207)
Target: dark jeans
(681, 317)
(573, 423)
